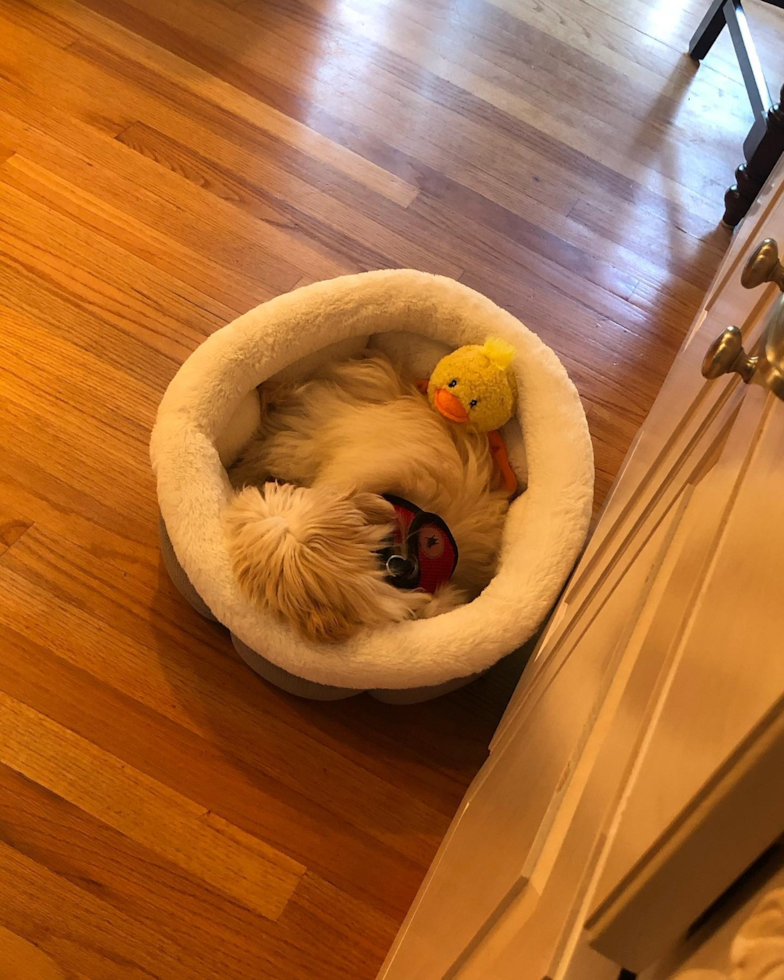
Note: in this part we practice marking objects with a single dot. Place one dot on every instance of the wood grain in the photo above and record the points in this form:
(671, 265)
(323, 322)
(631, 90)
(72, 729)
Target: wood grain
(12, 527)
(167, 822)
(164, 167)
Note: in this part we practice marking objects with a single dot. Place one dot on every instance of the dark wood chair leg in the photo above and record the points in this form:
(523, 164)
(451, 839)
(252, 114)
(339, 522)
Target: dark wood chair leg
(765, 142)
(731, 14)
(762, 155)
(710, 27)
(748, 59)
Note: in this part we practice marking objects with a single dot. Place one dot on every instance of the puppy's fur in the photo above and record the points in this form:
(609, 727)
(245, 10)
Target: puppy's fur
(305, 547)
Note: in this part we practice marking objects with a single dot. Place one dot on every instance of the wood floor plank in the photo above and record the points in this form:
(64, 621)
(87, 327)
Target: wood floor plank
(209, 847)
(265, 117)
(235, 291)
(12, 527)
(149, 620)
(692, 255)
(448, 85)
(206, 23)
(608, 40)
(67, 446)
(22, 959)
(104, 168)
(620, 149)
(63, 373)
(130, 292)
(203, 767)
(138, 883)
(257, 198)
(53, 308)
(147, 94)
(166, 165)
(77, 518)
(118, 871)
(83, 934)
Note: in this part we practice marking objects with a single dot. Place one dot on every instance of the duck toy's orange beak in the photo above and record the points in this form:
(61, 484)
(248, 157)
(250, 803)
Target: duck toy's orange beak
(449, 405)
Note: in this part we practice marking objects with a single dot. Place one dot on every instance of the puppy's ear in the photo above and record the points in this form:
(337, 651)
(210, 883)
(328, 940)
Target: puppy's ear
(373, 508)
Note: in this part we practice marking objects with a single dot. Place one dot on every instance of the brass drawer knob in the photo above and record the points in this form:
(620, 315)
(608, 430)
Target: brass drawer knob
(727, 356)
(763, 265)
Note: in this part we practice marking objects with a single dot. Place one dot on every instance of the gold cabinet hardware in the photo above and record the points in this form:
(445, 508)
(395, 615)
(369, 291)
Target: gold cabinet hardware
(727, 356)
(763, 265)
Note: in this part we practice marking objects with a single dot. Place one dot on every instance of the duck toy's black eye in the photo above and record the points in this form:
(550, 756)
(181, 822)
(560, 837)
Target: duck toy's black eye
(452, 383)
(473, 403)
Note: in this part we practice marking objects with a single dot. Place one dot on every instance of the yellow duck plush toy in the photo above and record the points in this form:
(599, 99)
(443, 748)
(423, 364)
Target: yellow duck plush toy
(475, 386)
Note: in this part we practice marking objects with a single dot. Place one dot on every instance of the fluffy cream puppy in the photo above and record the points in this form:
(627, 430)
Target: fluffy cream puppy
(306, 545)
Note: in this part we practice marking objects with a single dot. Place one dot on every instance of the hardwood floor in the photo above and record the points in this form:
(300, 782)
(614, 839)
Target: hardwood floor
(164, 166)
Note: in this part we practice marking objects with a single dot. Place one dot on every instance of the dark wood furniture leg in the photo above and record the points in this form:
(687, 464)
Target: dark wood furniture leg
(731, 13)
(710, 27)
(765, 142)
(762, 152)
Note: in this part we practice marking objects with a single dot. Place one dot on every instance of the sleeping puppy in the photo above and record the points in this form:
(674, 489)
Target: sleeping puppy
(335, 472)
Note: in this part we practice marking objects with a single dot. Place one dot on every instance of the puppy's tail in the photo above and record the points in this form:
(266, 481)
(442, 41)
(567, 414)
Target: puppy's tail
(309, 555)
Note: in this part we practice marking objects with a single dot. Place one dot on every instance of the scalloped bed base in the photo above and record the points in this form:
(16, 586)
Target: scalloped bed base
(281, 678)
(210, 409)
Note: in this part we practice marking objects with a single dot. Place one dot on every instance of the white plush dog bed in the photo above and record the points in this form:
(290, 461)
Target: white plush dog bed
(211, 408)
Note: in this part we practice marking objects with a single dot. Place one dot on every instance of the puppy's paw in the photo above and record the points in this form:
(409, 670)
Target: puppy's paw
(446, 598)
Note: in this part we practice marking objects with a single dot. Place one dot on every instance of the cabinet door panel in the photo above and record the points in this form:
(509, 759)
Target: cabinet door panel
(726, 674)
(680, 449)
(564, 869)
